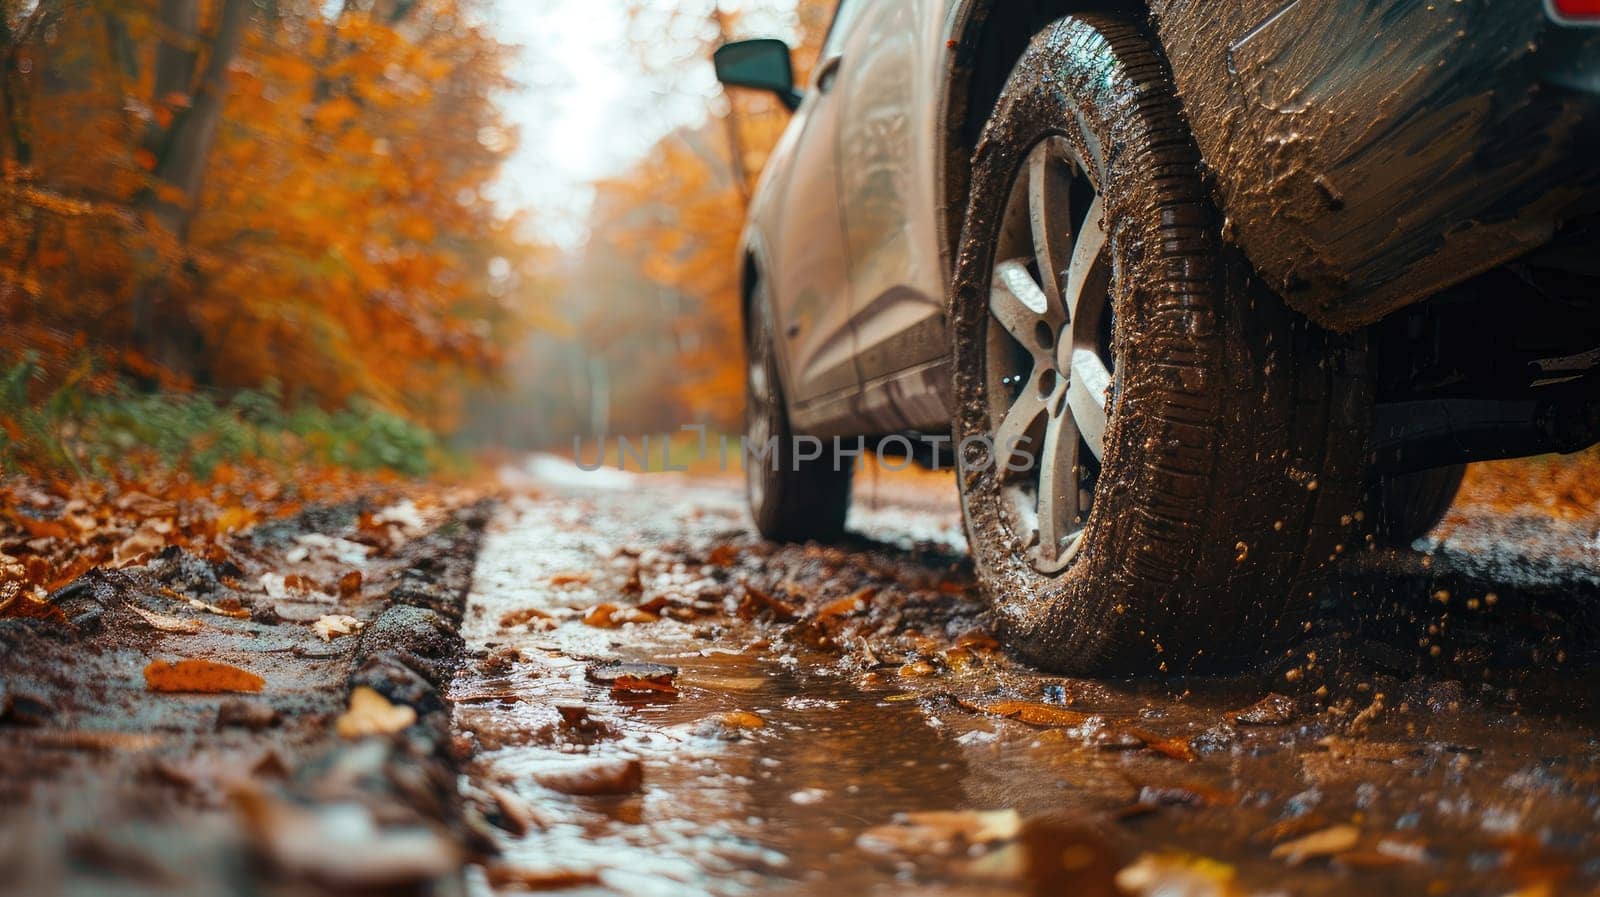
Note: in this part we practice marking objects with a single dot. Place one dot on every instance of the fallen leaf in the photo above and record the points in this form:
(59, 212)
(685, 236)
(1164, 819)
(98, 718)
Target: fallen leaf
(757, 603)
(1272, 710)
(1331, 840)
(609, 616)
(518, 878)
(627, 686)
(149, 538)
(741, 719)
(165, 623)
(571, 578)
(87, 739)
(199, 676)
(1032, 713)
(1174, 872)
(941, 832)
(26, 607)
(850, 604)
(371, 713)
(722, 556)
(350, 584)
(595, 777)
(512, 813)
(343, 847)
(519, 617)
(1176, 748)
(332, 625)
(238, 613)
(608, 673)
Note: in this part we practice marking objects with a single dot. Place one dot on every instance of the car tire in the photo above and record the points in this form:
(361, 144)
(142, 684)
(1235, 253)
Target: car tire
(791, 498)
(1405, 507)
(1231, 432)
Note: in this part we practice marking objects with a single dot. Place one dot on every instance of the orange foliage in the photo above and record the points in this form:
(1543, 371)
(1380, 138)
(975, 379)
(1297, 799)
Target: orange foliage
(685, 209)
(291, 192)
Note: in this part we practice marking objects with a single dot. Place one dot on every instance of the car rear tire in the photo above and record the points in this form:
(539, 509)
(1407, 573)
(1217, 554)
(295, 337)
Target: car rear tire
(792, 499)
(1201, 447)
(1407, 506)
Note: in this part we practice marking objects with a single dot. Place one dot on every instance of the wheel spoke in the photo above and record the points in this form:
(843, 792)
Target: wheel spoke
(1049, 214)
(1013, 443)
(1086, 394)
(1020, 305)
(1086, 260)
(1058, 486)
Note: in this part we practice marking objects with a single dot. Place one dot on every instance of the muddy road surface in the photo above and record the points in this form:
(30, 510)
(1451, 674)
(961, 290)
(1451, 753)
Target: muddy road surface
(659, 703)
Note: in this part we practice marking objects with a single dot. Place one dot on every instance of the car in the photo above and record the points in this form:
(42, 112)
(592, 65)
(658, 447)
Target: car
(1196, 297)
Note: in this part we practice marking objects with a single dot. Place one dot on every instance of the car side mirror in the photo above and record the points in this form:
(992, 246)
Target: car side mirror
(762, 64)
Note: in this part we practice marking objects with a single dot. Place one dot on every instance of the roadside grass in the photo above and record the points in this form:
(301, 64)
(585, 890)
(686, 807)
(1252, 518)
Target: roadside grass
(81, 427)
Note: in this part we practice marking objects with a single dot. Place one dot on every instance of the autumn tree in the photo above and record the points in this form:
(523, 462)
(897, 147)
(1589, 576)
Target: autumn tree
(230, 193)
(693, 187)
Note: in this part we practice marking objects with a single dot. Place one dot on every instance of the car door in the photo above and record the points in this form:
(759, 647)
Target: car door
(807, 242)
(895, 272)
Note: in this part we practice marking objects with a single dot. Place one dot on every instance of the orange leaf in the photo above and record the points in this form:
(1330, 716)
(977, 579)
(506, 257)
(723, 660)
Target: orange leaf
(199, 676)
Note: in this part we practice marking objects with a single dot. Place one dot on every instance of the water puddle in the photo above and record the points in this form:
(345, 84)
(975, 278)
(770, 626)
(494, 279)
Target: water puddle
(895, 755)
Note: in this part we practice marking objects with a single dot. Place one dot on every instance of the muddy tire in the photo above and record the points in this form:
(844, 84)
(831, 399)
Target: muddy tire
(1231, 432)
(1404, 508)
(791, 499)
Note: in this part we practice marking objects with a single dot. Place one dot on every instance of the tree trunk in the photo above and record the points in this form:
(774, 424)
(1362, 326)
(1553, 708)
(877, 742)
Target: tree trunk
(180, 153)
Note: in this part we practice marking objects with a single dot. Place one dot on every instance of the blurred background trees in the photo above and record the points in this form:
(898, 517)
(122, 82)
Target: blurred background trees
(650, 335)
(281, 195)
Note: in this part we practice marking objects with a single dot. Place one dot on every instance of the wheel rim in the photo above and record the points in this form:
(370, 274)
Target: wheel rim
(1048, 356)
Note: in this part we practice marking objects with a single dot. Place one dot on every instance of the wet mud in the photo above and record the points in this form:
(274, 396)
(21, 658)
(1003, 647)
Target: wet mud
(191, 725)
(657, 703)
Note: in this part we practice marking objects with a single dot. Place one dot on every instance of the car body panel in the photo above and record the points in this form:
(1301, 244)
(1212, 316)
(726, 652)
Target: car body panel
(804, 257)
(1369, 153)
(1417, 143)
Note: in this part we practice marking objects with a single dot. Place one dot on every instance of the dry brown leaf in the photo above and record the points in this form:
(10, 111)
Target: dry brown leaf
(941, 832)
(26, 607)
(238, 613)
(199, 676)
(330, 626)
(609, 616)
(519, 617)
(850, 604)
(87, 739)
(151, 536)
(1033, 713)
(617, 776)
(502, 876)
(371, 713)
(165, 623)
(1272, 710)
(633, 686)
(741, 719)
(512, 812)
(757, 603)
(571, 578)
(722, 556)
(350, 584)
(1176, 748)
(1332, 840)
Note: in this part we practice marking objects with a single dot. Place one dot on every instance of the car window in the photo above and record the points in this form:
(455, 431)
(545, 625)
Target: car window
(843, 18)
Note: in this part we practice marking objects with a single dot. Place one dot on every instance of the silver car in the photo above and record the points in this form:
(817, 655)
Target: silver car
(1196, 296)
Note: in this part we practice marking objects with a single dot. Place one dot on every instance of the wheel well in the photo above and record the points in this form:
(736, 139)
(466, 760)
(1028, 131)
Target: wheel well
(990, 38)
(747, 290)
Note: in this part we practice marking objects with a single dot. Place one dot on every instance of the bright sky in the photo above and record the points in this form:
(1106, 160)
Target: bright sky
(590, 104)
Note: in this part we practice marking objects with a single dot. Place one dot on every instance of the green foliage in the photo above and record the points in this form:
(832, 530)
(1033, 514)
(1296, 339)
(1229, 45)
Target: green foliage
(97, 433)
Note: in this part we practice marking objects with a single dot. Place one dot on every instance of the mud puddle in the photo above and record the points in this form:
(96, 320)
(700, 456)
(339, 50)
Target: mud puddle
(839, 720)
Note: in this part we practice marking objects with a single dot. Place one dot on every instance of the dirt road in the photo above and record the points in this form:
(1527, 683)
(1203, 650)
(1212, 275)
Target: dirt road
(839, 720)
